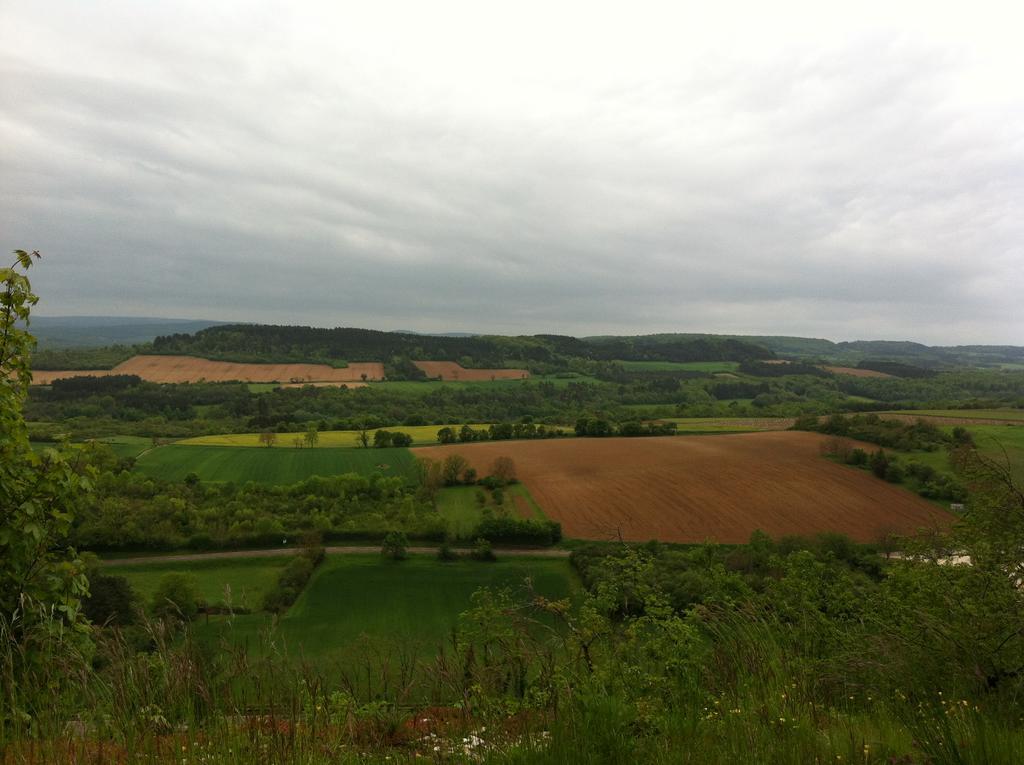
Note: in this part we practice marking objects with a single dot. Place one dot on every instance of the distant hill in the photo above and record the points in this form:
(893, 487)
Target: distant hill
(273, 343)
(251, 342)
(852, 353)
(53, 332)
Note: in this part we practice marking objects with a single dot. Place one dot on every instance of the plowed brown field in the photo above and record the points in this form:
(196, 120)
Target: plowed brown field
(449, 370)
(697, 488)
(182, 369)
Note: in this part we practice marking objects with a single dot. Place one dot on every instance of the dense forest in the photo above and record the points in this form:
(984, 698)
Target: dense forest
(250, 342)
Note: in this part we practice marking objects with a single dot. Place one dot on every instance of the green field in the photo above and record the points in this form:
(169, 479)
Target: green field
(680, 366)
(356, 600)
(967, 414)
(127, 446)
(275, 466)
(328, 439)
(123, 446)
(1002, 443)
(459, 506)
(691, 425)
(427, 386)
(239, 582)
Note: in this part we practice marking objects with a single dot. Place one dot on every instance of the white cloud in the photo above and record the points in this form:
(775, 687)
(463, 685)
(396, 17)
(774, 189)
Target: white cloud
(575, 168)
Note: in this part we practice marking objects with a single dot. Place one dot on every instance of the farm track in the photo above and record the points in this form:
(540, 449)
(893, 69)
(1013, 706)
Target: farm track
(342, 550)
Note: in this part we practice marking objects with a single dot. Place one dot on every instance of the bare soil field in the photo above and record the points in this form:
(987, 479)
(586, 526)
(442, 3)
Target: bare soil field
(183, 369)
(855, 372)
(450, 371)
(523, 509)
(702, 488)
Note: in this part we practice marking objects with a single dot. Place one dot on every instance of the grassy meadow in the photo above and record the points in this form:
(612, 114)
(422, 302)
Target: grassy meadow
(277, 465)
(426, 386)
(1002, 443)
(698, 425)
(328, 439)
(459, 506)
(359, 601)
(239, 582)
(967, 414)
(127, 446)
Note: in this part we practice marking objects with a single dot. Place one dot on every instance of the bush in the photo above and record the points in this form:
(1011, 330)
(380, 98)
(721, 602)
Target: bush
(857, 457)
(446, 553)
(401, 439)
(293, 578)
(111, 600)
(894, 473)
(395, 546)
(483, 551)
(177, 595)
(519, 531)
(879, 463)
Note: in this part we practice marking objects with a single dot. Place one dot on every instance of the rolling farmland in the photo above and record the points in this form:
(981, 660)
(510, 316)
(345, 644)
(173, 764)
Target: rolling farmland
(272, 466)
(728, 424)
(449, 370)
(421, 434)
(239, 582)
(960, 416)
(680, 489)
(856, 372)
(185, 369)
(356, 601)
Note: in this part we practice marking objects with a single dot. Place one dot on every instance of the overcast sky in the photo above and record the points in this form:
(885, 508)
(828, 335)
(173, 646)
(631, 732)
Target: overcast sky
(761, 168)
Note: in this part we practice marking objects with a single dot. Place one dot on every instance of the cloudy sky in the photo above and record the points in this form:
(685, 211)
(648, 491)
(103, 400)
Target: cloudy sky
(758, 168)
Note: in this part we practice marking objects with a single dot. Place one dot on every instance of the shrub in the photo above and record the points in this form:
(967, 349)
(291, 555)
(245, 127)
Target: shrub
(446, 552)
(857, 457)
(519, 531)
(177, 595)
(401, 439)
(293, 578)
(879, 463)
(483, 551)
(395, 546)
(111, 600)
(894, 472)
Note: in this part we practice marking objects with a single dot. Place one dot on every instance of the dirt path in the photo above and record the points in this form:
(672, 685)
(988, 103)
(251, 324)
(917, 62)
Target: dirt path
(349, 550)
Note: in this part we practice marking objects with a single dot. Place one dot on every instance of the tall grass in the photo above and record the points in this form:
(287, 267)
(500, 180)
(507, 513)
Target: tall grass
(746, 692)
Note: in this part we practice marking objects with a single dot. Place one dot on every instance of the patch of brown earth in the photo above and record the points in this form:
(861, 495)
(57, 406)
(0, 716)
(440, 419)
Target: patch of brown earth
(697, 488)
(186, 369)
(450, 371)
